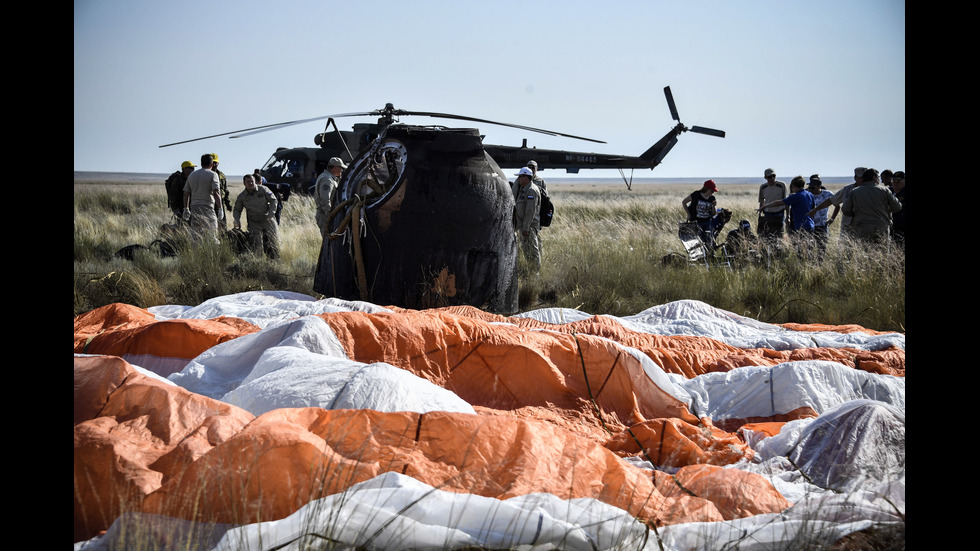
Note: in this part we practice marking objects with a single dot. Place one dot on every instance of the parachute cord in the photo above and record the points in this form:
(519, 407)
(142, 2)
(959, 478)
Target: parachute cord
(681, 486)
(588, 387)
(595, 406)
(797, 467)
(642, 449)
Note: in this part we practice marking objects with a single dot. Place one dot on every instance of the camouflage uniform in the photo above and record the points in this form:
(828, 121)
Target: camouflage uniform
(225, 198)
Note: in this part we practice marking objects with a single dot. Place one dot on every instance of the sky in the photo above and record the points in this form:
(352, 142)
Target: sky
(802, 87)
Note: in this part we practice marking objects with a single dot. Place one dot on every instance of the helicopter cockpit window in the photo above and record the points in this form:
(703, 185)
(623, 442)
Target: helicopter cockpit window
(280, 167)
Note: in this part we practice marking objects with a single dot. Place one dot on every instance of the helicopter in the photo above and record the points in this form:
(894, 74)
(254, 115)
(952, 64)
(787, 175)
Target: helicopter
(298, 167)
(423, 215)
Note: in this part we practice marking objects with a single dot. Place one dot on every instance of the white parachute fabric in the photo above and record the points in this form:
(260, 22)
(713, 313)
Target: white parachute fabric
(300, 363)
(697, 319)
(290, 377)
(761, 391)
(221, 368)
(844, 470)
(393, 511)
(847, 448)
(263, 308)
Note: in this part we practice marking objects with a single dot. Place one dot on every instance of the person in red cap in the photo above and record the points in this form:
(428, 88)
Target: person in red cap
(700, 207)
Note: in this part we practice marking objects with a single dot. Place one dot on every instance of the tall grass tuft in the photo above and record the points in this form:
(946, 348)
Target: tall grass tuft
(608, 251)
(604, 253)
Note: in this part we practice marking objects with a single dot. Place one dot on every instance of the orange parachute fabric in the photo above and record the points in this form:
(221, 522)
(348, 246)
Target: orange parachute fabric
(134, 432)
(144, 445)
(131, 332)
(692, 356)
(504, 367)
(674, 443)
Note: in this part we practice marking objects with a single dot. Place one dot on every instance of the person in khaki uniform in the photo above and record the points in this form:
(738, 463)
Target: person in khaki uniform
(528, 218)
(871, 206)
(201, 194)
(259, 204)
(326, 186)
(225, 198)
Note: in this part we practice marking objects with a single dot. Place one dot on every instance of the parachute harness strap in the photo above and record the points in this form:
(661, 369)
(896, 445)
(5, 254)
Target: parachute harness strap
(354, 224)
(358, 227)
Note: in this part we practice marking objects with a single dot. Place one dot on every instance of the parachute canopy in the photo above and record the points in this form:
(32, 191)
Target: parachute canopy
(265, 418)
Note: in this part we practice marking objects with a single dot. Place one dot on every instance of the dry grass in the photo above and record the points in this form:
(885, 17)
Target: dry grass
(603, 254)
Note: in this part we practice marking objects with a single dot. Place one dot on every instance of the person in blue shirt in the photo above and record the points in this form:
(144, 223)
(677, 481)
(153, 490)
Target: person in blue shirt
(800, 203)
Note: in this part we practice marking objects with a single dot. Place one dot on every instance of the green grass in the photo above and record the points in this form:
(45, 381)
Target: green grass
(604, 253)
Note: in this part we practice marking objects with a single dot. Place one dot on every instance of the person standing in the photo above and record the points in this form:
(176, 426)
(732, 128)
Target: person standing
(175, 187)
(528, 218)
(837, 200)
(821, 224)
(871, 207)
(898, 218)
(225, 198)
(538, 180)
(259, 204)
(280, 190)
(701, 208)
(886, 179)
(800, 203)
(201, 194)
(771, 219)
(326, 186)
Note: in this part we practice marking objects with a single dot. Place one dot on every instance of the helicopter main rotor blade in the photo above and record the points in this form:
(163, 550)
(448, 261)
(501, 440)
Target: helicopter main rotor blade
(265, 128)
(473, 119)
(708, 131)
(670, 104)
(389, 111)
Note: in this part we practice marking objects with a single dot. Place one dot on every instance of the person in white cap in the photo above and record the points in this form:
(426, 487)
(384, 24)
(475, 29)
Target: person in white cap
(528, 218)
(326, 185)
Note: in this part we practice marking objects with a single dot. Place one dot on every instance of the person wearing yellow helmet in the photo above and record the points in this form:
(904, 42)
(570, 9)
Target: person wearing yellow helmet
(175, 187)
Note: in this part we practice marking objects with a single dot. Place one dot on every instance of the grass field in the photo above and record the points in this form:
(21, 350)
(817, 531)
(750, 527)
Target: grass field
(604, 254)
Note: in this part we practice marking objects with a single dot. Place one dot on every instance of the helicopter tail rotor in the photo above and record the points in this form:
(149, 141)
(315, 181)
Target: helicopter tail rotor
(659, 150)
(708, 131)
(676, 117)
(671, 105)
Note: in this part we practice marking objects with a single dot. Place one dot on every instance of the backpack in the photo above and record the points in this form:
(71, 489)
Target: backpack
(547, 210)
